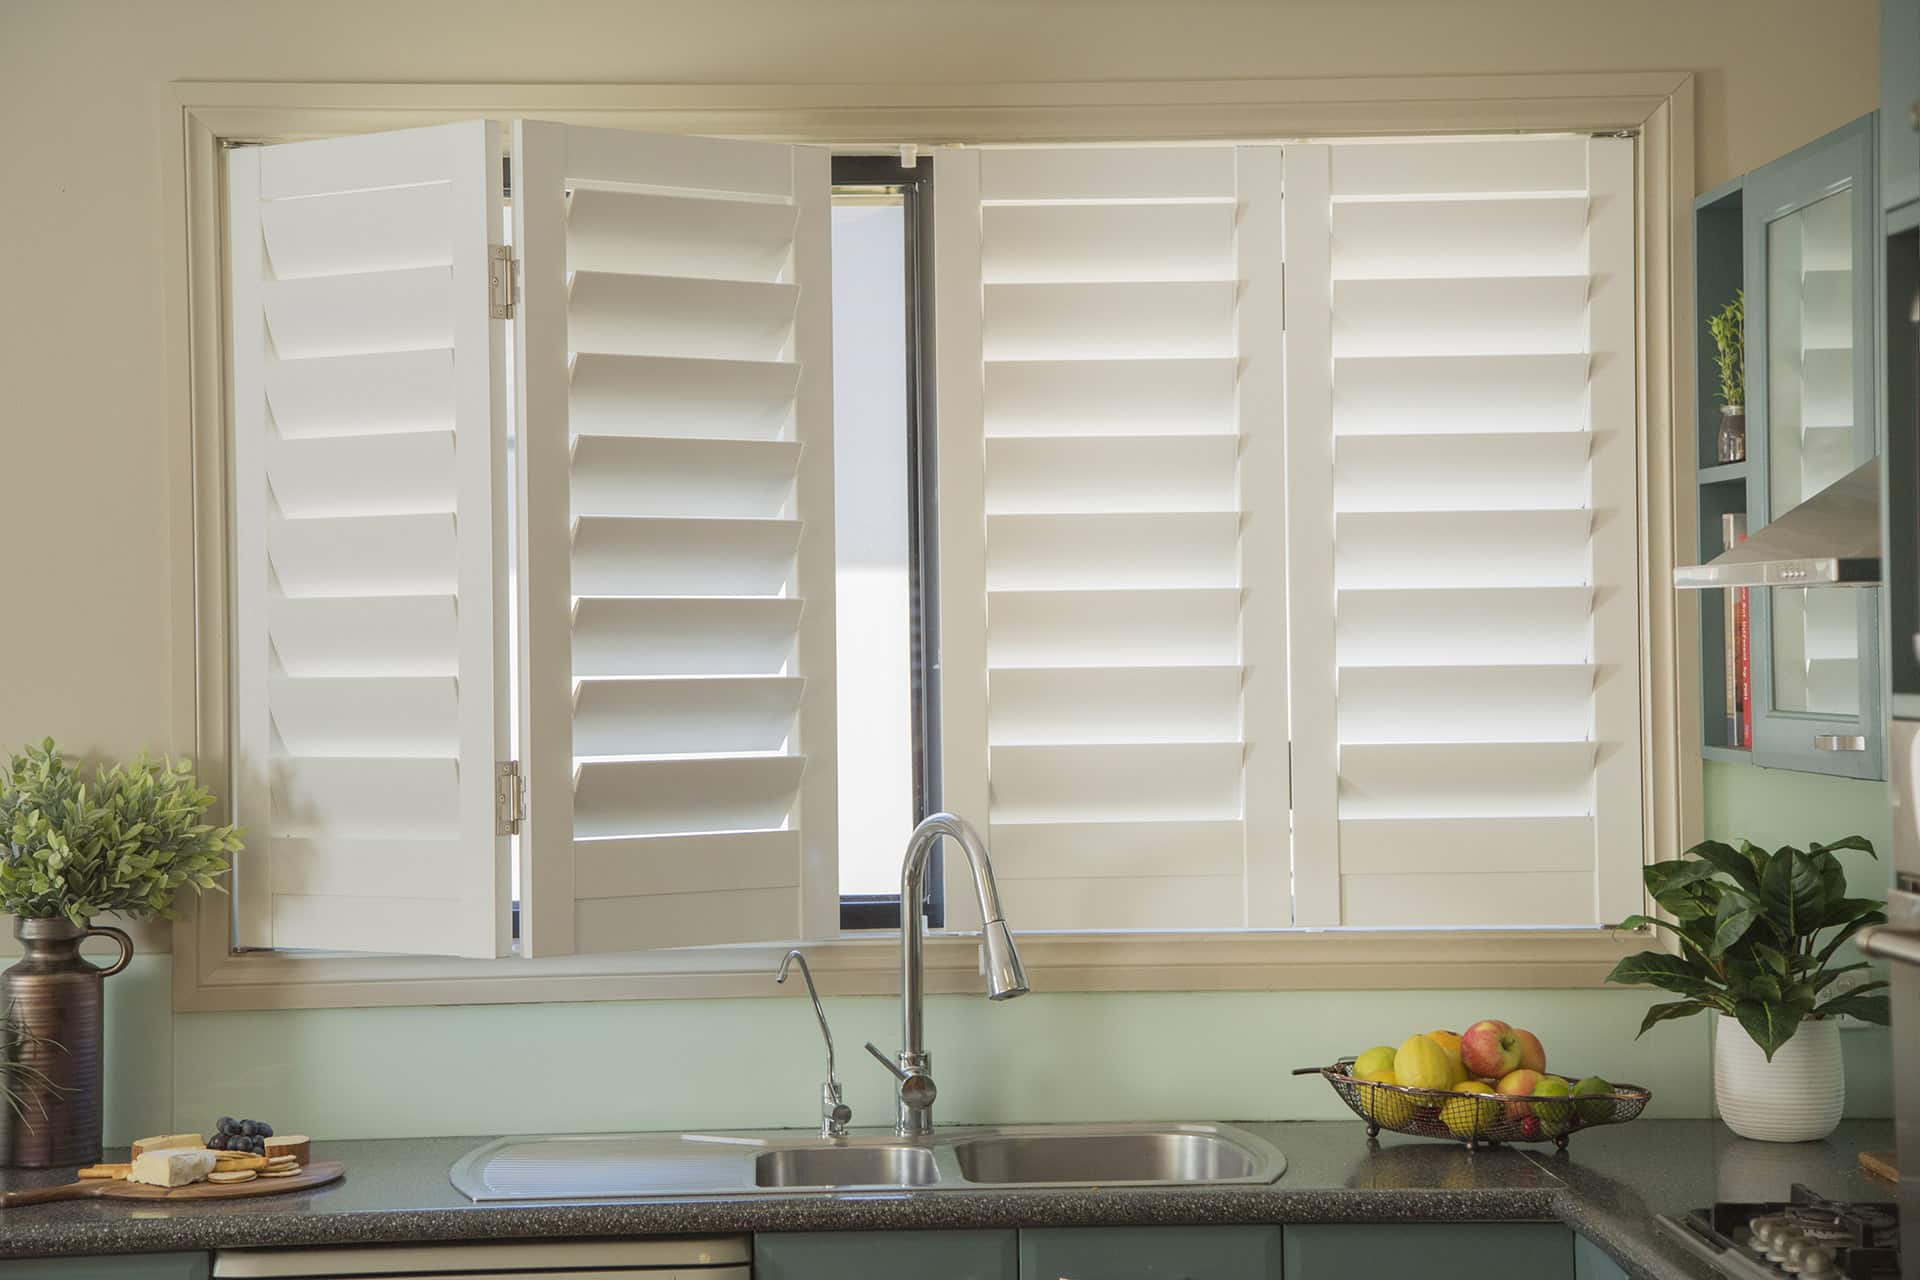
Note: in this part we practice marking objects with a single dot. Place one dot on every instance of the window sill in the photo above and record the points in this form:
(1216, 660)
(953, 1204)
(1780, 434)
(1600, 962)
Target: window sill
(1329, 960)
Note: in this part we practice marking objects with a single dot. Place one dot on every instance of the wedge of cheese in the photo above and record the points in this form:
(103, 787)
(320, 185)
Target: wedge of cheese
(167, 1142)
(171, 1168)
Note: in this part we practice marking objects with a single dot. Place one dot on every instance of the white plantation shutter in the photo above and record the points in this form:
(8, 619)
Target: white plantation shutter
(1466, 644)
(369, 653)
(1110, 368)
(674, 359)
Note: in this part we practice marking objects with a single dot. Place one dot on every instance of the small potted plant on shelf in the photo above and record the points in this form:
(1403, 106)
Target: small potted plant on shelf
(1729, 329)
(127, 842)
(1757, 934)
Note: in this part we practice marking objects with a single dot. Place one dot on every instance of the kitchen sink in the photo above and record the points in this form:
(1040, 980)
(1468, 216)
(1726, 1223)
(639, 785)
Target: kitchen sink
(847, 1166)
(1107, 1158)
(646, 1166)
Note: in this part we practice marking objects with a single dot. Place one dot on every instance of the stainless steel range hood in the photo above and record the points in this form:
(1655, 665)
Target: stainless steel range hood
(1830, 540)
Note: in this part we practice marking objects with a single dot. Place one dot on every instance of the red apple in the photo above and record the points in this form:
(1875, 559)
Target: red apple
(1517, 1085)
(1490, 1049)
(1532, 1056)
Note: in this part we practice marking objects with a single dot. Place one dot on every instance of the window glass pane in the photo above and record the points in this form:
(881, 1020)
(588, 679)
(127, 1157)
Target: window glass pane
(870, 531)
(1810, 438)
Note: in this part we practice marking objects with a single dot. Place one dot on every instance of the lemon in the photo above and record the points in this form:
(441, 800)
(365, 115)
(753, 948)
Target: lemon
(1374, 1061)
(1384, 1107)
(1556, 1117)
(1470, 1115)
(1422, 1064)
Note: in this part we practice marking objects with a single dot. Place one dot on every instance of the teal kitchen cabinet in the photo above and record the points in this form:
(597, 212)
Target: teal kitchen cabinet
(1151, 1253)
(123, 1266)
(1590, 1262)
(1899, 102)
(1439, 1251)
(1810, 241)
(916, 1255)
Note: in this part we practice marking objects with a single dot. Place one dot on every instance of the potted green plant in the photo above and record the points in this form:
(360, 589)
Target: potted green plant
(127, 842)
(1728, 326)
(1758, 934)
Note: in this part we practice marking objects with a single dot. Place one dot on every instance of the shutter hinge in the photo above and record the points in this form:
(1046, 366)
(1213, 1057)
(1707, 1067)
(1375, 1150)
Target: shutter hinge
(509, 798)
(501, 290)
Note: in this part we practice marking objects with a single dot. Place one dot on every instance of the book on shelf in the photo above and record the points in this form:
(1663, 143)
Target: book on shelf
(1737, 659)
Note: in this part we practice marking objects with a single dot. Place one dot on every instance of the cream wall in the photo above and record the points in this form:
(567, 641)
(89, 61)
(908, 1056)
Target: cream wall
(88, 647)
(90, 651)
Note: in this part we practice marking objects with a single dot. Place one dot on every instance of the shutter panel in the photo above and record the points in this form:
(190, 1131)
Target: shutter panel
(1471, 643)
(1110, 366)
(369, 635)
(675, 363)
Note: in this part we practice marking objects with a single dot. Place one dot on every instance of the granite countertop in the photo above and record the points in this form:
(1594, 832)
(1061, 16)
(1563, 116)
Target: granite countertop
(1608, 1187)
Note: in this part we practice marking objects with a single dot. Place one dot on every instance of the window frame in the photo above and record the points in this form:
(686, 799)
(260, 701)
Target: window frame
(865, 911)
(194, 119)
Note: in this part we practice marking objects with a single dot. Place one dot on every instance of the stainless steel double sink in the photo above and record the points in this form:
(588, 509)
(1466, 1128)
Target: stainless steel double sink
(776, 1162)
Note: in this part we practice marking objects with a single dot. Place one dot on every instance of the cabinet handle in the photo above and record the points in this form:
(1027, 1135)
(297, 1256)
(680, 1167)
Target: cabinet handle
(1839, 742)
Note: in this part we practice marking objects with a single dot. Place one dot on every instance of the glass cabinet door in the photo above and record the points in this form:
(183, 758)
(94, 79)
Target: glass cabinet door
(1809, 235)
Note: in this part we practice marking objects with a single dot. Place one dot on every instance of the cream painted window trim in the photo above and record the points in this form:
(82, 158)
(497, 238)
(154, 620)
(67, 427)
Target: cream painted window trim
(194, 119)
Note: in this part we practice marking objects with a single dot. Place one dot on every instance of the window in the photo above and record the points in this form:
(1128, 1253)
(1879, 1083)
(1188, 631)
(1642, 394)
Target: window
(1285, 529)
(883, 511)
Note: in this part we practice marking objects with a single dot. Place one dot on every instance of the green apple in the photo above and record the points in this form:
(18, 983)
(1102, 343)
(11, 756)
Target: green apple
(1591, 1109)
(1373, 1062)
(1555, 1117)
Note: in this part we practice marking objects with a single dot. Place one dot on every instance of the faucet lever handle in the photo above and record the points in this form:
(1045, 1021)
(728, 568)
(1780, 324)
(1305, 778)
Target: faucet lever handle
(880, 1056)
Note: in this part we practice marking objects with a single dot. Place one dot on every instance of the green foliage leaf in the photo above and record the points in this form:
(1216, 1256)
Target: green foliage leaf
(1793, 890)
(1668, 1012)
(1735, 916)
(1668, 972)
(1770, 1023)
(125, 843)
(1860, 1004)
(1736, 866)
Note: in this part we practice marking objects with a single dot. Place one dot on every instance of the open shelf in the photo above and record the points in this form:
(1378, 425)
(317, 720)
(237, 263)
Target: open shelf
(1723, 473)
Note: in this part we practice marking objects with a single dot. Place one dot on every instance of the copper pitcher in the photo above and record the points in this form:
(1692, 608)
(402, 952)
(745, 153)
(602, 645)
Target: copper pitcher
(55, 995)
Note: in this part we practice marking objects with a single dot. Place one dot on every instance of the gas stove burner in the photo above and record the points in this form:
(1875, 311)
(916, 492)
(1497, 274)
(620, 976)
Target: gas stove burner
(1806, 1236)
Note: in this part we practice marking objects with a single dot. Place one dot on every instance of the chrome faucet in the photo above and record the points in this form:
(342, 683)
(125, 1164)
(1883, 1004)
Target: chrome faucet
(834, 1112)
(1005, 978)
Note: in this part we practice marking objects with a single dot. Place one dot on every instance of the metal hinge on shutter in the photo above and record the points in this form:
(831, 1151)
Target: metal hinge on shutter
(502, 292)
(509, 798)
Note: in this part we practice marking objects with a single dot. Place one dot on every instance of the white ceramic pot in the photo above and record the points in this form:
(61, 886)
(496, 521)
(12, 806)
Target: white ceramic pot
(1797, 1097)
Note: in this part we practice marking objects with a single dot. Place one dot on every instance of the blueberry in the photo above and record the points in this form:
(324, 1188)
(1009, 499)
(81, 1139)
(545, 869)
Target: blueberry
(218, 1142)
(264, 1129)
(225, 1125)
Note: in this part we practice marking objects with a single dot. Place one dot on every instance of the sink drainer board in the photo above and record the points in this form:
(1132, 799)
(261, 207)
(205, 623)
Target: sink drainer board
(643, 1166)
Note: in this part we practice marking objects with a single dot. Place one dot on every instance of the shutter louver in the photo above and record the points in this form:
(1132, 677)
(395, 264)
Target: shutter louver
(1110, 341)
(679, 546)
(1477, 305)
(369, 651)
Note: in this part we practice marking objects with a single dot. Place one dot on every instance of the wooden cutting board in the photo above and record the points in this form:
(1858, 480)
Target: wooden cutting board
(317, 1174)
(1881, 1164)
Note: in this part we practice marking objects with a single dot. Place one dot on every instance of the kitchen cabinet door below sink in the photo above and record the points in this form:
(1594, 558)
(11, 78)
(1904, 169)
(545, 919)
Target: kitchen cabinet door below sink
(1153, 1253)
(919, 1255)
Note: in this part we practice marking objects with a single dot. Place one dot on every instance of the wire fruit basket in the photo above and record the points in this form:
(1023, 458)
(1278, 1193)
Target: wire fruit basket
(1479, 1119)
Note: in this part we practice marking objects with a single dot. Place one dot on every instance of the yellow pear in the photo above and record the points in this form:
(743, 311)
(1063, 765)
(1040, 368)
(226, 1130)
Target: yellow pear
(1422, 1064)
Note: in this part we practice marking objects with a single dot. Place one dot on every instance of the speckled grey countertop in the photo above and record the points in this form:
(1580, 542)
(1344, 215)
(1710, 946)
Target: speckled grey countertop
(1608, 1187)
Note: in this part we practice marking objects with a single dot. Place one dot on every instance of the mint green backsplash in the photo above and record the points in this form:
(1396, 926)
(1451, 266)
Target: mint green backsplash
(482, 1069)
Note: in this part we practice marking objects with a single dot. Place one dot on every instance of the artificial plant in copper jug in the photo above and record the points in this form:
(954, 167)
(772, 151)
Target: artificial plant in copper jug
(125, 843)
